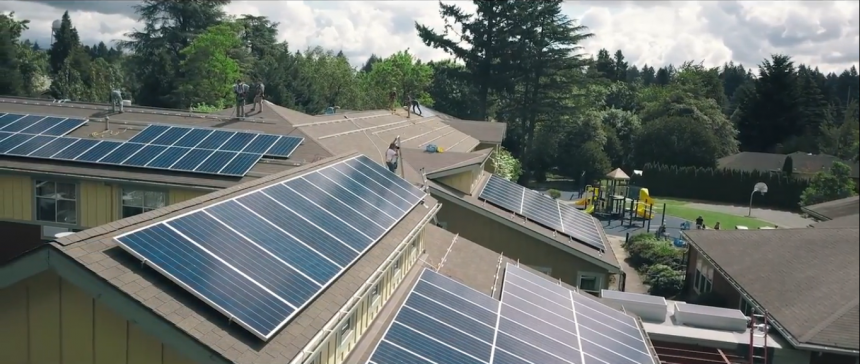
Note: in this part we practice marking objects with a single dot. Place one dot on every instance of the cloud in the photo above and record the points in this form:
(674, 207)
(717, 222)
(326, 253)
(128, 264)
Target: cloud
(819, 33)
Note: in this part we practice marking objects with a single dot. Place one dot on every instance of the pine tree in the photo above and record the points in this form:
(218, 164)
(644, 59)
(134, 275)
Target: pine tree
(66, 40)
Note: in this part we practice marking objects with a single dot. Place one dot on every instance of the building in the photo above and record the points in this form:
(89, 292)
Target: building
(804, 279)
(805, 165)
(838, 213)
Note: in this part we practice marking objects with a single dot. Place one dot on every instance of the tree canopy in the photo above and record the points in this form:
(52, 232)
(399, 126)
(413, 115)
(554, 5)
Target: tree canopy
(520, 63)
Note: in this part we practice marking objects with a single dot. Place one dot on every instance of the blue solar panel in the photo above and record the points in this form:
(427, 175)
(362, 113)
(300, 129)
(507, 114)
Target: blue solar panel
(225, 140)
(31, 145)
(537, 321)
(284, 147)
(77, 148)
(191, 160)
(43, 125)
(21, 123)
(215, 162)
(54, 147)
(240, 165)
(290, 239)
(121, 153)
(146, 154)
(7, 119)
(4, 135)
(65, 127)
(99, 151)
(544, 210)
(13, 141)
(168, 157)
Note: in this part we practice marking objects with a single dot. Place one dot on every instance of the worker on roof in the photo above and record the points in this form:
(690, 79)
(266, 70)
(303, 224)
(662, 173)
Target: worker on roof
(391, 156)
(413, 103)
(392, 97)
(240, 89)
(259, 94)
(116, 100)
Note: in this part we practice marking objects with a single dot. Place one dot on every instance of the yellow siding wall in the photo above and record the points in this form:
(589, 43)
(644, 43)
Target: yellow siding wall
(16, 198)
(335, 349)
(177, 196)
(463, 182)
(47, 320)
(98, 203)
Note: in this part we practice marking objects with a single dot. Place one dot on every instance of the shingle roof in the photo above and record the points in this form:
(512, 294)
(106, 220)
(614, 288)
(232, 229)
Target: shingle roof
(834, 209)
(440, 162)
(465, 261)
(485, 131)
(607, 256)
(96, 250)
(126, 125)
(807, 279)
(772, 162)
(850, 221)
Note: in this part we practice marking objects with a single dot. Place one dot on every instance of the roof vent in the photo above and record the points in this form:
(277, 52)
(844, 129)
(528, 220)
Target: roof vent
(649, 308)
(707, 317)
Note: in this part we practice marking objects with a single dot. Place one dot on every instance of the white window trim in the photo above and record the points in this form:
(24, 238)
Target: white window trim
(77, 201)
(597, 277)
(344, 336)
(144, 209)
(375, 294)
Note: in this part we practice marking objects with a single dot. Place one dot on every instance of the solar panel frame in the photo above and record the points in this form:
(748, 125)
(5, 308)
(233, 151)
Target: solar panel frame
(271, 145)
(260, 191)
(22, 123)
(65, 127)
(43, 125)
(496, 191)
(7, 119)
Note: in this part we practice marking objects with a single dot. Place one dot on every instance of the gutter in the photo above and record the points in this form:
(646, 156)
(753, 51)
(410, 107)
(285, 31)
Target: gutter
(815, 215)
(107, 179)
(771, 320)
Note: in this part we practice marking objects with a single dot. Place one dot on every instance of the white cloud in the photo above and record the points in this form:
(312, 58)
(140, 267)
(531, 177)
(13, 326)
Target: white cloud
(820, 33)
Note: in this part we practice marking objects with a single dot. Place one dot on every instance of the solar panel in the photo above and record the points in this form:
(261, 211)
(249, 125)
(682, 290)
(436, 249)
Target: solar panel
(597, 332)
(274, 249)
(38, 124)
(281, 146)
(543, 210)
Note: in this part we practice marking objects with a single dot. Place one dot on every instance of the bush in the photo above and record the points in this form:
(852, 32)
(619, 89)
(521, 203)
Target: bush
(645, 250)
(664, 281)
(721, 185)
(554, 193)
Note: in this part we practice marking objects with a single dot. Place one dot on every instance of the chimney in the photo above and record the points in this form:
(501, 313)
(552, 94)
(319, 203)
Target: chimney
(107, 123)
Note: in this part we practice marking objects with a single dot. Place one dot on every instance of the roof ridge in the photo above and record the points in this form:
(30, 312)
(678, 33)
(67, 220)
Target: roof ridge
(825, 323)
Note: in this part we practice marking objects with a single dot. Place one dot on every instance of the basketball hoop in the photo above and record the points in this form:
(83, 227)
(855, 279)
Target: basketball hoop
(761, 188)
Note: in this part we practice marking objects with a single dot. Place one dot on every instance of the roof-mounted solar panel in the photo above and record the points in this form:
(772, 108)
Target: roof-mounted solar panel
(270, 145)
(261, 257)
(38, 124)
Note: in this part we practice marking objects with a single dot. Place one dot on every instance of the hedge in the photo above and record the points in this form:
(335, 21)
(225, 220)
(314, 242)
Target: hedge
(721, 185)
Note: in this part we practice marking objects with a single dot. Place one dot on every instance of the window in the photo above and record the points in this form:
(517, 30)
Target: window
(136, 202)
(374, 294)
(704, 278)
(57, 202)
(397, 265)
(345, 331)
(746, 307)
(589, 282)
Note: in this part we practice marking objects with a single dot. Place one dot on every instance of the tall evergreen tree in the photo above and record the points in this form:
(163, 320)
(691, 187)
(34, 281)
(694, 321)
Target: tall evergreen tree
(66, 41)
(775, 114)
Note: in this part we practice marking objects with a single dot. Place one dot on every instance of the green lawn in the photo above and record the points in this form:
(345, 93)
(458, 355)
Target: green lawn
(727, 221)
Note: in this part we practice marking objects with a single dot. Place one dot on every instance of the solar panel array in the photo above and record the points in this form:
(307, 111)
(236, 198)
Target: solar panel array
(543, 210)
(38, 125)
(220, 140)
(537, 322)
(216, 152)
(259, 258)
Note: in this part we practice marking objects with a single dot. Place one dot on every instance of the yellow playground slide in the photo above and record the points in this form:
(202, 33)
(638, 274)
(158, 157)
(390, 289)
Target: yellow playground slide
(589, 209)
(644, 209)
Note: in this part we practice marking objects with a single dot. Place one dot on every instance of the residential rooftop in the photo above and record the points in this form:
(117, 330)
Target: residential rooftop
(834, 209)
(97, 251)
(806, 279)
(805, 163)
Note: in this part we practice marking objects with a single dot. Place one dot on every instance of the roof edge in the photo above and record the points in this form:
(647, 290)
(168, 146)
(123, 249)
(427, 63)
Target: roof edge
(779, 328)
(599, 262)
(169, 209)
(459, 167)
(833, 317)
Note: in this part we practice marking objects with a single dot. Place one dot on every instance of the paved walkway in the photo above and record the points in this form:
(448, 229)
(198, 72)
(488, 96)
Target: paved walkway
(781, 218)
(634, 283)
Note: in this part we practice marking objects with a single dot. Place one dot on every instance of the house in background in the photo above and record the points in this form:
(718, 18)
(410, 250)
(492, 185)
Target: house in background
(807, 280)
(806, 165)
(843, 212)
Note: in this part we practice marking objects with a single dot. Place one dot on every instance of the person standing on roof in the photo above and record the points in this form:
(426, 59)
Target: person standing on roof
(392, 98)
(391, 157)
(241, 91)
(116, 100)
(258, 97)
(413, 103)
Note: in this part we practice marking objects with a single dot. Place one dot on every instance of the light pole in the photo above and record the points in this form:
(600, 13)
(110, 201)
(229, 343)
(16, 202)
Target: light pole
(760, 187)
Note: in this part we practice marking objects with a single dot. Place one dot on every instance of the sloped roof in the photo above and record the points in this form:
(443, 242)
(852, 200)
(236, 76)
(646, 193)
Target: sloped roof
(440, 162)
(772, 162)
(126, 125)
(96, 250)
(850, 221)
(808, 280)
(617, 174)
(834, 209)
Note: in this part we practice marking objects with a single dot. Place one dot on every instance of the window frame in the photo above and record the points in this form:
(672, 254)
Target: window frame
(745, 306)
(345, 332)
(374, 294)
(704, 277)
(123, 189)
(77, 202)
(598, 281)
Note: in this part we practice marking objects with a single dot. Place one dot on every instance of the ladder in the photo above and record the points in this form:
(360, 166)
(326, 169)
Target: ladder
(759, 328)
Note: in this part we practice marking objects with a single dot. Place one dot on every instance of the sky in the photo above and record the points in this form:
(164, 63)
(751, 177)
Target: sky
(825, 34)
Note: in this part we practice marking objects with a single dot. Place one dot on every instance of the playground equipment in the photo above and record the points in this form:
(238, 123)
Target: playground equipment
(645, 205)
(614, 197)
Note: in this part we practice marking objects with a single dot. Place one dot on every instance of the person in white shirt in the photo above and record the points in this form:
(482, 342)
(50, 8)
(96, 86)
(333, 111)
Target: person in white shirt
(258, 97)
(391, 157)
(241, 91)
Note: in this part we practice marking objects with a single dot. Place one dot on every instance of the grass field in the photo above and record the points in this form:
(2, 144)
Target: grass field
(727, 221)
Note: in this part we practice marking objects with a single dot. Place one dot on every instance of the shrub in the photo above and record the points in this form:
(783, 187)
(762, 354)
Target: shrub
(554, 193)
(664, 281)
(645, 250)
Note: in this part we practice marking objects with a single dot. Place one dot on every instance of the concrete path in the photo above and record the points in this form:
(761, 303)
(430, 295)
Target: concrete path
(634, 283)
(783, 219)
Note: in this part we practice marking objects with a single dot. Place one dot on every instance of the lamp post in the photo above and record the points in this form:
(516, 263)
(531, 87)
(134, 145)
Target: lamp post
(760, 187)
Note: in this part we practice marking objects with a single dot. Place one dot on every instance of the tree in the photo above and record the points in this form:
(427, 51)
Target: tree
(403, 72)
(788, 166)
(450, 93)
(505, 165)
(12, 82)
(676, 141)
(774, 114)
(664, 281)
(66, 41)
(830, 185)
(208, 70)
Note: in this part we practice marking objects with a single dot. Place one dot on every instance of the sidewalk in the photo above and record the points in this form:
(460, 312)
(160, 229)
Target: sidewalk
(634, 283)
